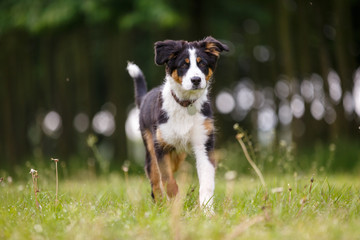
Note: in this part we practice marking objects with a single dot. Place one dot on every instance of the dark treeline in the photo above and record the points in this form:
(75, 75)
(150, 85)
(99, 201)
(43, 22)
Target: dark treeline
(70, 57)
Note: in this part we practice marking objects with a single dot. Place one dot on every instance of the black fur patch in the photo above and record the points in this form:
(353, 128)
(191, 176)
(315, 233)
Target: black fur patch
(159, 151)
(163, 117)
(206, 110)
(210, 143)
(150, 110)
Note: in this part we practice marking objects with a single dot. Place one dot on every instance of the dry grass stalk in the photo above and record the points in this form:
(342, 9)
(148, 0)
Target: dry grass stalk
(302, 202)
(239, 137)
(305, 199)
(290, 189)
(57, 179)
(34, 175)
(311, 183)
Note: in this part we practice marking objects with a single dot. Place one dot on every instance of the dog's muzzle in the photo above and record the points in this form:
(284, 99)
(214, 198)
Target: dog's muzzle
(195, 82)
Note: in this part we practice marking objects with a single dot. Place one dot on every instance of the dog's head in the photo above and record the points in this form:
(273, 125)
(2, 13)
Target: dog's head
(190, 64)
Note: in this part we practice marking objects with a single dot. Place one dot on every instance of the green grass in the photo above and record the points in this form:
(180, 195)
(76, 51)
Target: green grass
(113, 208)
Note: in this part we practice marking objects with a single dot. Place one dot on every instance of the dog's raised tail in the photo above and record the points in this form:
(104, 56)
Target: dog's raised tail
(139, 82)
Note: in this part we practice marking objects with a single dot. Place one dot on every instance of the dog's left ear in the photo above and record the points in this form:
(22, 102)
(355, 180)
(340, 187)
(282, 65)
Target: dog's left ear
(213, 46)
(166, 50)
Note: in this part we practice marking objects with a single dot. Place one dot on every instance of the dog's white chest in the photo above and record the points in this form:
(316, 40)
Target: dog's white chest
(183, 128)
(180, 128)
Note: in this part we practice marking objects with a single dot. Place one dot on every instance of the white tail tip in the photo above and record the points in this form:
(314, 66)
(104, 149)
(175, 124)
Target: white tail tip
(133, 70)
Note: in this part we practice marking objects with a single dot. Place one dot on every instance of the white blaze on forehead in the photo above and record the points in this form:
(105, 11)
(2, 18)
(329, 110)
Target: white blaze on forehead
(193, 71)
(192, 57)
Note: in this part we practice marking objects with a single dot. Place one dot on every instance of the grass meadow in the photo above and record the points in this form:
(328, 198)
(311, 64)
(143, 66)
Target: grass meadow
(316, 203)
(115, 207)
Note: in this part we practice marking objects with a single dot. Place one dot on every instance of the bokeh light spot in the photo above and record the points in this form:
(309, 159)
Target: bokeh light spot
(285, 113)
(317, 109)
(282, 89)
(52, 124)
(225, 102)
(297, 106)
(81, 122)
(262, 53)
(307, 90)
(245, 97)
(335, 90)
(267, 119)
(104, 123)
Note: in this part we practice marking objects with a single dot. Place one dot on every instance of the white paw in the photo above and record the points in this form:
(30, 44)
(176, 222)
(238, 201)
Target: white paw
(208, 211)
(206, 202)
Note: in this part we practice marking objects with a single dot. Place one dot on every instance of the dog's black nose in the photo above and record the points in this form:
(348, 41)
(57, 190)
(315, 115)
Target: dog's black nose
(196, 81)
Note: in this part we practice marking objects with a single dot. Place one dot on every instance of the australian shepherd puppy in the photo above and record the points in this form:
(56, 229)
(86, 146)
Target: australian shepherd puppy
(176, 117)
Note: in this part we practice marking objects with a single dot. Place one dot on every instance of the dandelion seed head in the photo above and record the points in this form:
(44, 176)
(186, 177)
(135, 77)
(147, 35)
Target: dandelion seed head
(9, 179)
(230, 175)
(277, 190)
(38, 228)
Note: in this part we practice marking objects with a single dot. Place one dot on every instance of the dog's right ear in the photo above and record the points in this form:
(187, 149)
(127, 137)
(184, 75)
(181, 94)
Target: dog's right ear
(166, 50)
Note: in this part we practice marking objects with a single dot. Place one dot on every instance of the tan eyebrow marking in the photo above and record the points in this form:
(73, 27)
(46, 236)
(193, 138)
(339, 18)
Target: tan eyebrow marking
(198, 59)
(176, 77)
(187, 60)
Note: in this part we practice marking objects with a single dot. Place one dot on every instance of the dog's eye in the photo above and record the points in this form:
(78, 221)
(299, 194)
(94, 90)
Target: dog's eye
(202, 64)
(184, 65)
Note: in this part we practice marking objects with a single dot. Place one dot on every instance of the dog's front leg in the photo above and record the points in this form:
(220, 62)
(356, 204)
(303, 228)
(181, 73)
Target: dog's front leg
(206, 171)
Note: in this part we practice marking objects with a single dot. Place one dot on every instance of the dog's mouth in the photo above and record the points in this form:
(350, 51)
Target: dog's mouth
(196, 88)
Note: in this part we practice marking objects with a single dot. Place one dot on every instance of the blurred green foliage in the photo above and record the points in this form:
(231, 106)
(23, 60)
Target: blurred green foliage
(38, 16)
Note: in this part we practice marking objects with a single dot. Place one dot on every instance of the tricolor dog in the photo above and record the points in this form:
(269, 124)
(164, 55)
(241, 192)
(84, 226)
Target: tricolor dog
(176, 117)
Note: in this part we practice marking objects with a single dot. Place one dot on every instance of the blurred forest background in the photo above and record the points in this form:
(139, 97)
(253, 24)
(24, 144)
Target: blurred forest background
(291, 76)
